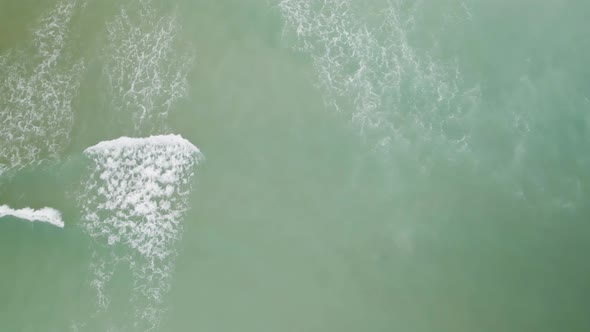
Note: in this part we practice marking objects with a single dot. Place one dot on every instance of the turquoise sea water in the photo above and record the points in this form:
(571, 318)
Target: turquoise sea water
(342, 165)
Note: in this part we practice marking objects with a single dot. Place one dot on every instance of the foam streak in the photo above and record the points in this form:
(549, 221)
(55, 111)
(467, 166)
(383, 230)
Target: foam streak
(46, 215)
(36, 94)
(397, 97)
(145, 72)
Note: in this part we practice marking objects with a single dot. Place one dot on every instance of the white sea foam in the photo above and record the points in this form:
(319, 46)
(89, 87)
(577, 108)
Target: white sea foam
(133, 202)
(46, 215)
(396, 97)
(145, 73)
(36, 94)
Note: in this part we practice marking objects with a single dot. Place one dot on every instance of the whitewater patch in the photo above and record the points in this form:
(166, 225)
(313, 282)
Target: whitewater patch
(46, 215)
(398, 97)
(133, 202)
(37, 88)
(145, 72)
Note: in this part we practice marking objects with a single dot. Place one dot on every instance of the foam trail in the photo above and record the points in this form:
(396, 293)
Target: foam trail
(133, 203)
(397, 97)
(36, 94)
(46, 215)
(145, 73)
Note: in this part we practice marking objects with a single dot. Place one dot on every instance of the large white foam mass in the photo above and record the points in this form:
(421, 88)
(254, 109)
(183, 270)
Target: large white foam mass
(133, 201)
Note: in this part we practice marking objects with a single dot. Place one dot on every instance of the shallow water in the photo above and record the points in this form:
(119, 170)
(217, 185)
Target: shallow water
(386, 166)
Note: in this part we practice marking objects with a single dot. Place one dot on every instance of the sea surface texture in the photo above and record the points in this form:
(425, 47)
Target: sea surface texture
(294, 165)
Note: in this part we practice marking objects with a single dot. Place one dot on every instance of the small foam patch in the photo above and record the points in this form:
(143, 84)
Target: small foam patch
(46, 215)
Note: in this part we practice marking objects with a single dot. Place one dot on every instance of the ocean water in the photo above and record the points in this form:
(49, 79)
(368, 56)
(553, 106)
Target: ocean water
(294, 165)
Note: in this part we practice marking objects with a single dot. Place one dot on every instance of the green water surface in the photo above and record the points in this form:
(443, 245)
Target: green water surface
(297, 221)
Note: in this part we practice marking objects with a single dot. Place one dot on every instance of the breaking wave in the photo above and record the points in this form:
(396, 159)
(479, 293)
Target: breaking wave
(133, 202)
(46, 215)
(145, 73)
(36, 94)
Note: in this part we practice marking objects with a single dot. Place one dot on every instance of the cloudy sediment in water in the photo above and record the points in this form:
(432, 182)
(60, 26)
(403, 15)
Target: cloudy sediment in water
(402, 99)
